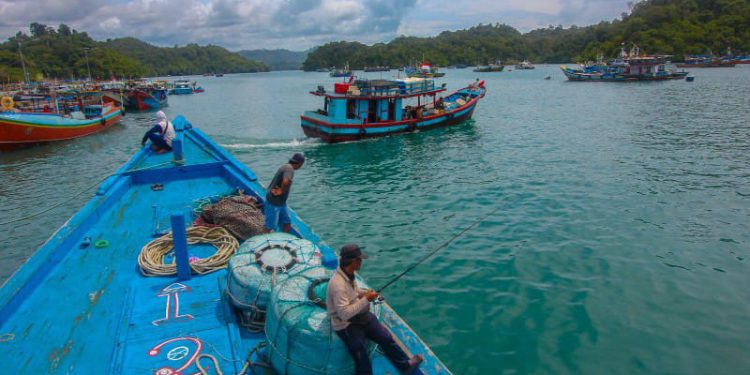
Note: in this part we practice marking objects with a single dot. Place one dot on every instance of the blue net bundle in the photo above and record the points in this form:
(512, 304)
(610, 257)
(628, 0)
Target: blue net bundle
(298, 330)
(260, 263)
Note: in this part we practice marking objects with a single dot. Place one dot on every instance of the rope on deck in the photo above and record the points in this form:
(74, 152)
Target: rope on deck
(151, 257)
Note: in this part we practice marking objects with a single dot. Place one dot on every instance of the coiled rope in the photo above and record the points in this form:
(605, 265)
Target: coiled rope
(151, 257)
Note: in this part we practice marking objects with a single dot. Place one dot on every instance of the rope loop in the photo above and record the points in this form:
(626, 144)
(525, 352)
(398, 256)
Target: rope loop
(151, 257)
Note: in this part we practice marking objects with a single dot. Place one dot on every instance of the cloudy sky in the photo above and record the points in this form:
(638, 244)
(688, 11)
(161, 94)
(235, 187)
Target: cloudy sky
(293, 24)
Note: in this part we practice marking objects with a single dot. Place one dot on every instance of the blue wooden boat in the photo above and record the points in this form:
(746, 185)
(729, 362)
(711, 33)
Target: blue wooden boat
(341, 73)
(375, 108)
(628, 67)
(80, 305)
(182, 87)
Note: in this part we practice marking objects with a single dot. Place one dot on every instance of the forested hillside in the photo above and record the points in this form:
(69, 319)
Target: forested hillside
(675, 27)
(62, 53)
(276, 59)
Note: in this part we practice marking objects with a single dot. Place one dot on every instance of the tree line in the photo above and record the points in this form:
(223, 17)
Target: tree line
(672, 27)
(65, 53)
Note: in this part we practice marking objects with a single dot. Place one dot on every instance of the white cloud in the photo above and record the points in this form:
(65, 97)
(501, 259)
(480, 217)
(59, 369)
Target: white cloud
(293, 24)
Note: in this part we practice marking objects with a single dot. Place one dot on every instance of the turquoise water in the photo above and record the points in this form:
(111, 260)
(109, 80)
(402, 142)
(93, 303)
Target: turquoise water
(620, 247)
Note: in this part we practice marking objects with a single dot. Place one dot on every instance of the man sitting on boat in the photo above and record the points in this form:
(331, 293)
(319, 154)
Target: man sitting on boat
(275, 208)
(161, 135)
(349, 309)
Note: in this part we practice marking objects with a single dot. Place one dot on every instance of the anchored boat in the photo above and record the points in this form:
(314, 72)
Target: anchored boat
(629, 67)
(83, 303)
(375, 108)
(58, 121)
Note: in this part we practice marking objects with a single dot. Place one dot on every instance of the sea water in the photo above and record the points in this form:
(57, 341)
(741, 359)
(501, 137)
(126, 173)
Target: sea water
(620, 245)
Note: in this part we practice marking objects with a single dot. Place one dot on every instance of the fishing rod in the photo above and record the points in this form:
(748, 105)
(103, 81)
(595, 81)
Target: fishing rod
(433, 252)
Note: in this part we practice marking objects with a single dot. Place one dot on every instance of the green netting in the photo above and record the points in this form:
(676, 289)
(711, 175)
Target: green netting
(263, 261)
(298, 330)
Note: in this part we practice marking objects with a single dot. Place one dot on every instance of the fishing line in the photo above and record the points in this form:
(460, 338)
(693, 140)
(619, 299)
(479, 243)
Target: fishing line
(433, 252)
(35, 214)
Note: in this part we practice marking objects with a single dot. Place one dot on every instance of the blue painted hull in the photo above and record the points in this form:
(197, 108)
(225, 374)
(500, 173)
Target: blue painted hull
(579, 75)
(77, 308)
(317, 125)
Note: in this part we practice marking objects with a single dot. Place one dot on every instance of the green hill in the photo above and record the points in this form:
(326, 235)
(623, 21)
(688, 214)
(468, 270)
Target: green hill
(62, 53)
(190, 59)
(276, 59)
(674, 27)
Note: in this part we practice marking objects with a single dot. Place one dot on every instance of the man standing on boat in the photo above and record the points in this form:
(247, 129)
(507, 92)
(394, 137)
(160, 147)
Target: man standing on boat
(275, 208)
(349, 309)
(161, 135)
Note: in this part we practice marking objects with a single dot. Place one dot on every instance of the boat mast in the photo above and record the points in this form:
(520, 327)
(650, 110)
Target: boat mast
(23, 65)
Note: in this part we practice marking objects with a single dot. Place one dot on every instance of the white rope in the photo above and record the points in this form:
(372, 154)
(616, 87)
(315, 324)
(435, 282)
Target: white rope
(151, 257)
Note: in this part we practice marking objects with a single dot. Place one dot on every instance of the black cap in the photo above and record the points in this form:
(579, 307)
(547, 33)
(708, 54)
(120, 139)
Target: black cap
(297, 158)
(352, 251)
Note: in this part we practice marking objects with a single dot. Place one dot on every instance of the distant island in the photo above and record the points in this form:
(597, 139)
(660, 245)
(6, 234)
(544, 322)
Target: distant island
(277, 59)
(65, 53)
(674, 27)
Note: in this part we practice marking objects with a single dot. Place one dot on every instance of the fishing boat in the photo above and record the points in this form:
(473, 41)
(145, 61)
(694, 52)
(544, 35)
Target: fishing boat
(145, 98)
(182, 87)
(707, 61)
(524, 65)
(629, 67)
(490, 68)
(424, 70)
(377, 69)
(83, 302)
(346, 72)
(360, 109)
(58, 122)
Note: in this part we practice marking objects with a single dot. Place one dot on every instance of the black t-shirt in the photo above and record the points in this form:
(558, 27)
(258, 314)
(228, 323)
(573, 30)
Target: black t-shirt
(285, 171)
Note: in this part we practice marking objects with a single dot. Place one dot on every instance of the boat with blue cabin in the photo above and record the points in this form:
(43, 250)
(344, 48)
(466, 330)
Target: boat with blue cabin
(628, 67)
(360, 109)
(339, 73)
(182, 87)
(127, 286)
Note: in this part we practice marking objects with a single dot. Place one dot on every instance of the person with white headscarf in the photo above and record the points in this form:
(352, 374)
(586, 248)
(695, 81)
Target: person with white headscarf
(161, 135)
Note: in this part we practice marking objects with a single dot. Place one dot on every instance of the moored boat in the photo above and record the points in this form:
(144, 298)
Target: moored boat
(84, 300)
(182, 87)
(707, 61)
(424, 70)
(144, 98)
(18, 128)
(629, 67)
(525, 65)
(375, 108)
(341, 73)
(491, 68)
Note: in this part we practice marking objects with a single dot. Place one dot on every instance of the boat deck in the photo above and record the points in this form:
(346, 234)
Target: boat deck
(74, 308)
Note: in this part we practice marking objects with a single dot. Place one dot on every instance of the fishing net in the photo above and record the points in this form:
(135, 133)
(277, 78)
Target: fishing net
(241, 215)
(298, 329)
(262, 262)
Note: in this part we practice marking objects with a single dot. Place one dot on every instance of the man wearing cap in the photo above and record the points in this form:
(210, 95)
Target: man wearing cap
(275, 208)
(349, 309)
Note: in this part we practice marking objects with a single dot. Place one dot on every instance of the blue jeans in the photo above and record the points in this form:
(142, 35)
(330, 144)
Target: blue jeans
(276, 216)
(368, 327)
(158, 140)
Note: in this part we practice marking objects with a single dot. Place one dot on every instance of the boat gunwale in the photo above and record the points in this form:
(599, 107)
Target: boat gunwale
(379, 124)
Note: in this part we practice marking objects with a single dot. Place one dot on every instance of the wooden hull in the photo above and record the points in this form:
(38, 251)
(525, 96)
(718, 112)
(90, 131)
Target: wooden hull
(140, 100)
(78, 308)
(580, 76)
(715, 64)
(17, 129)
(318, 127)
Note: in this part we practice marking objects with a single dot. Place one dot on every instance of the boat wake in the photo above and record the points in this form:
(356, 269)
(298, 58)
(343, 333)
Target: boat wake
(296, 143)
